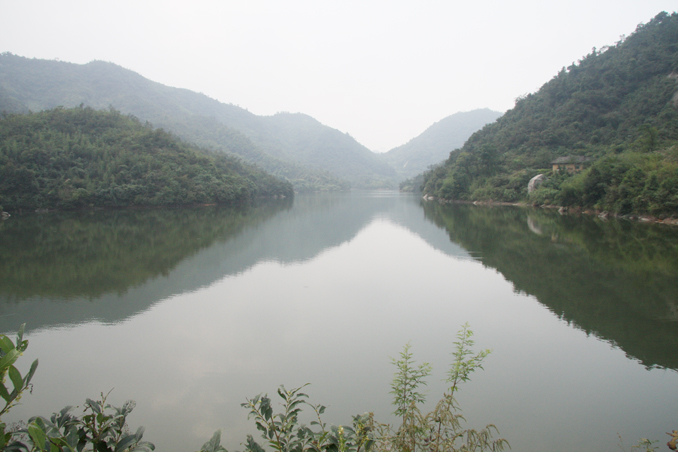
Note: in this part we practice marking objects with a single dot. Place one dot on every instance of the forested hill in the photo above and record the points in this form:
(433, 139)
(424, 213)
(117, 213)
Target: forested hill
(435, 143)
(297, 147)
(617, 108)
(81, 157)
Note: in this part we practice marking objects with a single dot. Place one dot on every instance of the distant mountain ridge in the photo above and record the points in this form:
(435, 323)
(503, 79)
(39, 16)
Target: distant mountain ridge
(435, 143)
(295, 146)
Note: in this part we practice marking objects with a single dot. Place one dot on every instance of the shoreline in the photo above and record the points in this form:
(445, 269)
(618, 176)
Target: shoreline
(574, 210)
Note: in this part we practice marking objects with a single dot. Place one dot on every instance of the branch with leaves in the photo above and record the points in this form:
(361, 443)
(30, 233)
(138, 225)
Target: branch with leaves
(440, 430)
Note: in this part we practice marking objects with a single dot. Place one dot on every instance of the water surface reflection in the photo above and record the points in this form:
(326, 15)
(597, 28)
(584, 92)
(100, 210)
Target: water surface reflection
(190, 311)
(615, 279)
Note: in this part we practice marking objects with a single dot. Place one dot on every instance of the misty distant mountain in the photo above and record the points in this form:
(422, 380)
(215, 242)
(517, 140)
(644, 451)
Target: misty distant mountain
(435, 143)
(295, 146)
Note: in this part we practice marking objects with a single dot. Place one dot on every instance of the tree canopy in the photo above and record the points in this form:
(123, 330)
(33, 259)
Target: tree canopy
(81, 157)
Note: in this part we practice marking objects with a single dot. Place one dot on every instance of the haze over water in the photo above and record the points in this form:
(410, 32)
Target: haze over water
(189, 311)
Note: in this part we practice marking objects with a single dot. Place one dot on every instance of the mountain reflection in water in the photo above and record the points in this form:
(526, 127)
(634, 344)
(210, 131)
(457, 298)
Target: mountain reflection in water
(189, 311)
(615, 279)
(69, 268)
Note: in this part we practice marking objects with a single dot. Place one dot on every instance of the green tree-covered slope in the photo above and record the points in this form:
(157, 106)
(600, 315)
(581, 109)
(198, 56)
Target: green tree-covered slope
(434, 144)
(617, 106)
(311, 155)
(79, 158)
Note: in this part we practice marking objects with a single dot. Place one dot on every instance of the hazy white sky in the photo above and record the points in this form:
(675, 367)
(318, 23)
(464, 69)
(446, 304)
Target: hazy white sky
(383, 71)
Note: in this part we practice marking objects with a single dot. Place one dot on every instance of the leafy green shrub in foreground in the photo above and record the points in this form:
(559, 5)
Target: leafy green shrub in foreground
(103, 427)
(440, 430)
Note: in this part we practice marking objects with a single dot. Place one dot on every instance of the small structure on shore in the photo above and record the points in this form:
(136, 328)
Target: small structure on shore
(570, 163)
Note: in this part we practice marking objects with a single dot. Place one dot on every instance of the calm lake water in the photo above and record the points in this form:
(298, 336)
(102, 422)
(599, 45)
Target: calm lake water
(190, 311)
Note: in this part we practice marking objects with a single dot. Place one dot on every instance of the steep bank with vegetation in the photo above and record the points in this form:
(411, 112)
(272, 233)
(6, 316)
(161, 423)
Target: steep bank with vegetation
(80, 158)
(618, 107)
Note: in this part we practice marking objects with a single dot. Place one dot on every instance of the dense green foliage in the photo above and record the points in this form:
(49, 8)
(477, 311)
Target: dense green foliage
(9, 354)
(101, 428)
(617, 106)
(79, 158)
(631, 182)
(435, 143)
(312, 156)
(614, 279)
